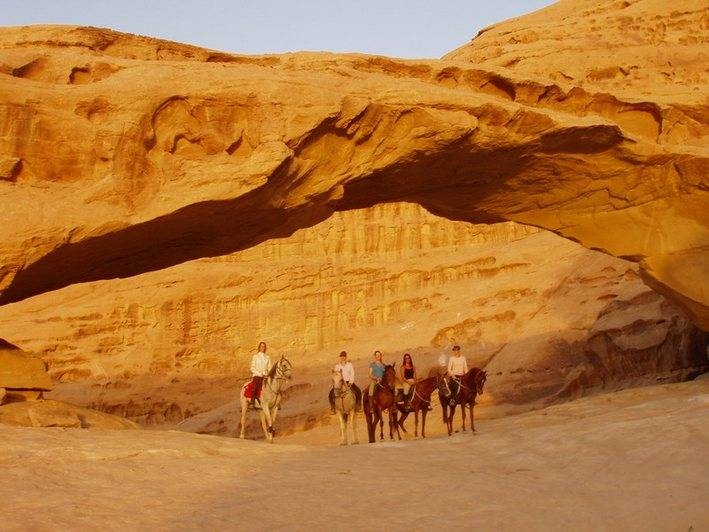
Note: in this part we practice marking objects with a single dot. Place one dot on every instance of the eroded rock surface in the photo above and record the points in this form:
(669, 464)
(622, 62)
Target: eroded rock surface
(21, 372)
(234, 197)
(549, 319)
(51, 413)
(144, 154)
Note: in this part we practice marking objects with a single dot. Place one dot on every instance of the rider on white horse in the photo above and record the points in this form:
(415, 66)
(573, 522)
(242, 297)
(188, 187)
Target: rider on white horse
(260, 366)
(348, 375)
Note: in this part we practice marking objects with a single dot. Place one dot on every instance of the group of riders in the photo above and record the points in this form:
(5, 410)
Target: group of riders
(457, 366)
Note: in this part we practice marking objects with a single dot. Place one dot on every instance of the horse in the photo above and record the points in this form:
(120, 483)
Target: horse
(383, 398)
(270, 397)
(471, 385)
(420, 401)
(345, 407)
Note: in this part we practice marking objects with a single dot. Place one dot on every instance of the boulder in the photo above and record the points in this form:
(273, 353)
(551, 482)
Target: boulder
(20, 370)
(51, 413)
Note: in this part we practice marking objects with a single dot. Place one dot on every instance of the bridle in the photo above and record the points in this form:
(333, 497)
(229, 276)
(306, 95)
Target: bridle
(478, 382)
(281, 372)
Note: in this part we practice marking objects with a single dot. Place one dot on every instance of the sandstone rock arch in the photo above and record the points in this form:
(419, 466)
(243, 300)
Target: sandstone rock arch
(203, 154)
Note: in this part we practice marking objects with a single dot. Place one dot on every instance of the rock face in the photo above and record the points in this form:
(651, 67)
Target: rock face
(238, 199)
(57, 414)
(548, 318)
(144, 154)
(647, 49)
(22, 376)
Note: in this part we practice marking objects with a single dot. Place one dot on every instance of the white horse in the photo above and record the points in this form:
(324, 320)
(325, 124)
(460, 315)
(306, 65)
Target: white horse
(270, 399)
(345, 407)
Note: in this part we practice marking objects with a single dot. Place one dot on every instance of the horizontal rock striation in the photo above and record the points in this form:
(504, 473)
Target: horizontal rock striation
(544, 315)
(122, 154)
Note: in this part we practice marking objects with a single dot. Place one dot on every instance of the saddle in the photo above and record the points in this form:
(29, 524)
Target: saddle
(450, 388)
(249, 394)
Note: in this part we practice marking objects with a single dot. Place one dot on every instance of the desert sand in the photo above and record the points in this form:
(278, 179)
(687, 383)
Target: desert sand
(631, 460)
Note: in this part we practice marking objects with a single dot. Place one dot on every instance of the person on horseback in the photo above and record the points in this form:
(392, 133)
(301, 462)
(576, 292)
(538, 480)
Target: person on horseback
(348, 375)
(260, 366)
(376, 372)
(457, 367)
(407, 374)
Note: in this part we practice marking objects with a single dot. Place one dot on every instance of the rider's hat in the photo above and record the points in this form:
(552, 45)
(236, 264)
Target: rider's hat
(343, 353)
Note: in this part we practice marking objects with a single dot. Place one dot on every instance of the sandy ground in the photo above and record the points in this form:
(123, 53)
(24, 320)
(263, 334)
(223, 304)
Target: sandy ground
(632, 460)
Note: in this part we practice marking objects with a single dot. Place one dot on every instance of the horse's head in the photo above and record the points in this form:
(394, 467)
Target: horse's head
(283, 369)
(389, 378)
(480, 379)
(337, 379)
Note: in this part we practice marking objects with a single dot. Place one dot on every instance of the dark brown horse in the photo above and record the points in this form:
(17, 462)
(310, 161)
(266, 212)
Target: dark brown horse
(420, 401)
(383, 398)
(470, 386)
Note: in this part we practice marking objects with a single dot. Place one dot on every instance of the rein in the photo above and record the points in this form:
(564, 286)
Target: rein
(277, 373)
(416, 394)
(385, 386)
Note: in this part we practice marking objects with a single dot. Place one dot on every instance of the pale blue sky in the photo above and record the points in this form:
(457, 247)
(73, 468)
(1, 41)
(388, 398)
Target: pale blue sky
(398, 28)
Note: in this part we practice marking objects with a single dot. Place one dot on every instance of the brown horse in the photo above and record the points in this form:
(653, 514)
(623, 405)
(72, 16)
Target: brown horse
(383, 398)
(420, 401)
(470, 386)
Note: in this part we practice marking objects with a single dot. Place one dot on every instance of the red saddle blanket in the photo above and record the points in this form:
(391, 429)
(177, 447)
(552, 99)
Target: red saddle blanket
(249, 390)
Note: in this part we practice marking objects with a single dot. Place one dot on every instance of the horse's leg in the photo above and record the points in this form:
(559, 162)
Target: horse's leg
(394, 416)
(472, 422)
(424, 411)
(343, 427)
(403, 417)
(266, 421)
(244, 406)
(463, 406)
(445, 410)
(450, 414)
(367, 409)
(378, 417)
(274, 414)
(353, 418)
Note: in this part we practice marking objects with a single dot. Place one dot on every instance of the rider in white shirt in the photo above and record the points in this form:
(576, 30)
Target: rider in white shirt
(260, 366)
(457, 367)
(348, 375)
(457, 364)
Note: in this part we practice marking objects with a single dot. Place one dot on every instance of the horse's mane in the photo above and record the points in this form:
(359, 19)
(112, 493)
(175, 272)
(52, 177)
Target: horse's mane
(282, 360)
(432, 378)
(389, 368)
(272, 372)
(469, 377)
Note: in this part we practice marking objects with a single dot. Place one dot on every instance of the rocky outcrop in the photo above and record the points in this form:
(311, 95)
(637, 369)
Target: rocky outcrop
(23, 380)
(50, 413)
(634, 49)
(23, 376)
(140, 163)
